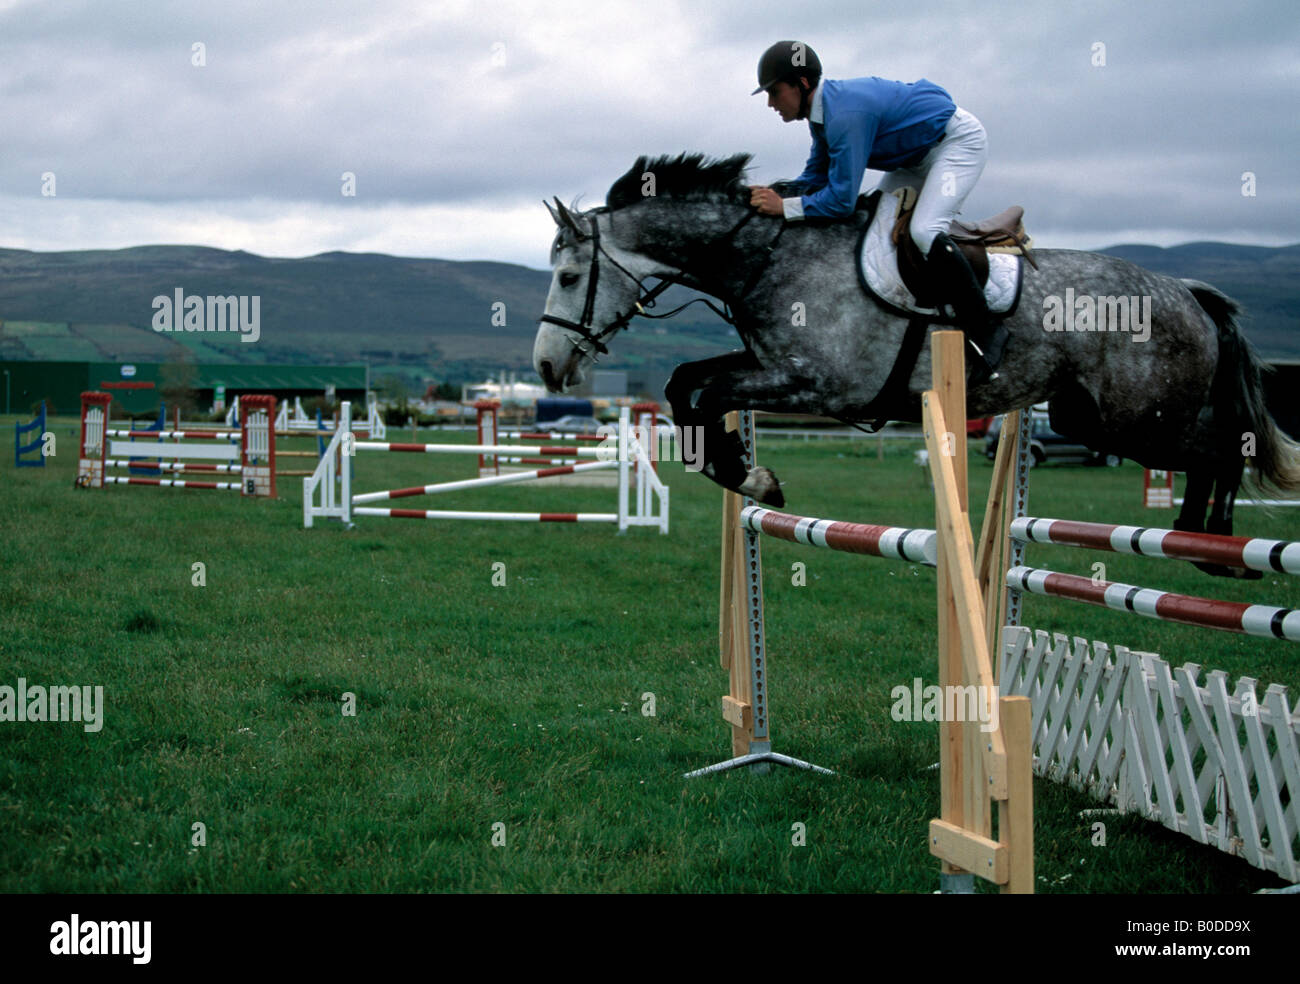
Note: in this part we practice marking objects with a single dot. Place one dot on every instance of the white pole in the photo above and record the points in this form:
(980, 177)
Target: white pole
(474, 483)
(624, 454)
(347, 451)
(502, 516)
(606, 453)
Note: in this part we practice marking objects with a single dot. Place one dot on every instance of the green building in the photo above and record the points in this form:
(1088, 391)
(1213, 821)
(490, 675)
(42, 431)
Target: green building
(60, 384)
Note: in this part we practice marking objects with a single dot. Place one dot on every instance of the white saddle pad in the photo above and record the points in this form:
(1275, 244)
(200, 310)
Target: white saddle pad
(879, 261)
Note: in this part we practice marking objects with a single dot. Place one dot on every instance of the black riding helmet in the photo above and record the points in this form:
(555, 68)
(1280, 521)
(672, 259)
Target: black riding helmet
(786, 61)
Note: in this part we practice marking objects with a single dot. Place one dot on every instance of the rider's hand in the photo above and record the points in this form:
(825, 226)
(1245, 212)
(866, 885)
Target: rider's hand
(767, 201)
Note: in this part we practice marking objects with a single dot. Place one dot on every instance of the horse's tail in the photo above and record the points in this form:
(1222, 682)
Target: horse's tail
(1276, 462)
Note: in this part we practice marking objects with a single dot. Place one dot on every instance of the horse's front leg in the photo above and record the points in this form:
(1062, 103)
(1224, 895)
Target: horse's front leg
(701, 394)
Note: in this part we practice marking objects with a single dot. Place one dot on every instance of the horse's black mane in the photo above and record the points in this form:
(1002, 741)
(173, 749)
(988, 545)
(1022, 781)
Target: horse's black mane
(686, 177)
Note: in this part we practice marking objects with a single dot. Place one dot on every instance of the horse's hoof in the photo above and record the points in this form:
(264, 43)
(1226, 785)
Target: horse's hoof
(761, 486)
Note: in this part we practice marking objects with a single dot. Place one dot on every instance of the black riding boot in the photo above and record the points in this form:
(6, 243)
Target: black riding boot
(955, 282)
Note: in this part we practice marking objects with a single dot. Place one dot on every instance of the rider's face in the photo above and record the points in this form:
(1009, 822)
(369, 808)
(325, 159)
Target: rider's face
(785, 98)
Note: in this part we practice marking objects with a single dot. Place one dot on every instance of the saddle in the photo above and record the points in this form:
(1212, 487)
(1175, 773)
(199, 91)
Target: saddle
(1003, 233)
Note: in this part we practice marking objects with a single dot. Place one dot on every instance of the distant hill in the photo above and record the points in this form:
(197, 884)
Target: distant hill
(435, 318)
(336, 307)
(1264, 280)
(423, 318)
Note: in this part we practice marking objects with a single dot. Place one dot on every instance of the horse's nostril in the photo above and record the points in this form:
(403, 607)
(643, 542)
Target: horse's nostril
(547, 371)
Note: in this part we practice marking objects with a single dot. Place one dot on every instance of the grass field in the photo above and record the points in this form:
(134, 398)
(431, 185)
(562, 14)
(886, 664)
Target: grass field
(514, 712)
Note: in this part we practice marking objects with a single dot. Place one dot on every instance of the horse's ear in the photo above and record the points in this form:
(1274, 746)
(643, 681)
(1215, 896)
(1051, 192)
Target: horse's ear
(554, 215)
(569, 220)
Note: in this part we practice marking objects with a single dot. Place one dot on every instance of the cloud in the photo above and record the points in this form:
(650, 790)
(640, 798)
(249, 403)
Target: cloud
(454, 115)
(520, 232)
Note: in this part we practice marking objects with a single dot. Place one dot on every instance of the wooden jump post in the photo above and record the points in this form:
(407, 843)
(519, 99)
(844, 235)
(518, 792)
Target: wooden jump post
(976, 767)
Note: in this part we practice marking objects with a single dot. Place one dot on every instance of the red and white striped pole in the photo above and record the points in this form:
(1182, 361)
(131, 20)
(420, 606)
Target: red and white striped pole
(499, 516)
(603, 453)
(1253, 553)
(478, 483)
(891, 542)
(1265, 621)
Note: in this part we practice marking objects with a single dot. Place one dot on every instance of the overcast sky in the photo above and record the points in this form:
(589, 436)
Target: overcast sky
(457, 117)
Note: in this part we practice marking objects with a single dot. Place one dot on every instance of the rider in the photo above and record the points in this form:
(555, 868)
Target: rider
(913, 131)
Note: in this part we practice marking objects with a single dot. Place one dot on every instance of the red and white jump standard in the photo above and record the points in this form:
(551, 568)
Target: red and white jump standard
(249, 452)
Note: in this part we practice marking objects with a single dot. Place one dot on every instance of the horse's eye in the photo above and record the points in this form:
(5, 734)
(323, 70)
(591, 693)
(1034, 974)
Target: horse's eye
(568, 279)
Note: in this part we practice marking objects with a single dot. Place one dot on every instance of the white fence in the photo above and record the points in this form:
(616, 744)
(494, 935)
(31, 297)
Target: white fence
(1220, 766)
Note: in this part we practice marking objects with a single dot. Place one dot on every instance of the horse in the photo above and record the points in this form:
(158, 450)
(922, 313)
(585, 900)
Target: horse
(1186, 397)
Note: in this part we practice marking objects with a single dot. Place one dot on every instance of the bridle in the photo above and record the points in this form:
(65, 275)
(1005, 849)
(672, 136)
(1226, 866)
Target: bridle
(646, 296)
(583, 328)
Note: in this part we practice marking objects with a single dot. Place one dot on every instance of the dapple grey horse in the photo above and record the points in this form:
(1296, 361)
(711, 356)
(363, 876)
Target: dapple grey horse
(1184, 394)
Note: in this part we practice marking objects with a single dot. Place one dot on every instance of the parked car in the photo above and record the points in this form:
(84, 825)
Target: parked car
(1046, 444)
(667, 429)
(570, 424)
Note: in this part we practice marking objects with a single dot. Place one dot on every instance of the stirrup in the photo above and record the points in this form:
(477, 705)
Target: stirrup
(981, 370)
(995, 344)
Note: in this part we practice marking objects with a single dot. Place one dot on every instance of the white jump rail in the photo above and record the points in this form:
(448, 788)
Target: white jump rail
(327, 493)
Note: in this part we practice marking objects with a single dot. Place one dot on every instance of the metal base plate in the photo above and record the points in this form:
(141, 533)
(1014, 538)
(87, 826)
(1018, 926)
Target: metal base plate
(760, 761)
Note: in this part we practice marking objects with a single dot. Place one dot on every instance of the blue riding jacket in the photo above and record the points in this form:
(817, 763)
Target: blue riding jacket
(867, 123)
